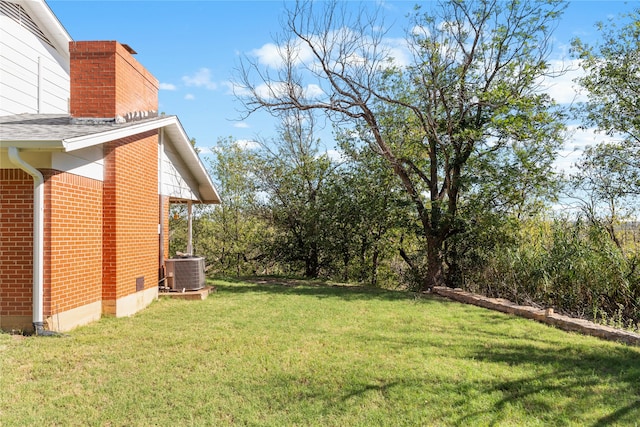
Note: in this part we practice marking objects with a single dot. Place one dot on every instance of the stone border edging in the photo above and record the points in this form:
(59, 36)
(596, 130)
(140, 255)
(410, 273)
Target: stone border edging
(545, 316)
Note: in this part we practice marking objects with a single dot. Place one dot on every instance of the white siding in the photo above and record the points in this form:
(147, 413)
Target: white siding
(34, 77)
(177, 181)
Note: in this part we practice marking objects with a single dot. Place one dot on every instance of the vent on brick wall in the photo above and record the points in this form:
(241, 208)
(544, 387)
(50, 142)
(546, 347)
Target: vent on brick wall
(19, 15)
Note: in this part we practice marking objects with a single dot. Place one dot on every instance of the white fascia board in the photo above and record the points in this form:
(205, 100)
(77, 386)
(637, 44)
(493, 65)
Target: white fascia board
(89, 140)
(51, 25)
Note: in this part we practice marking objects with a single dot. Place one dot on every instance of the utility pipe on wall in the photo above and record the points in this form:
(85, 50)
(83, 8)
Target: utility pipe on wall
(38, 237)
(161, 205)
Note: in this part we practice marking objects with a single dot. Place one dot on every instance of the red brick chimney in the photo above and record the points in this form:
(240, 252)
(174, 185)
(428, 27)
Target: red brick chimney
(108, 83)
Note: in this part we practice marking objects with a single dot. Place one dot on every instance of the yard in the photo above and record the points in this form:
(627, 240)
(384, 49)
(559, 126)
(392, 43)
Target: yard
(313, 354)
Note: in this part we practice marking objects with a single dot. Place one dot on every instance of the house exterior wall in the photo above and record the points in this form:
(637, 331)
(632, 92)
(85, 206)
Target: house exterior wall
(130, 224)
(16, 249)
(34, 77)
(101, 238)
(73, 249)
(87, 162)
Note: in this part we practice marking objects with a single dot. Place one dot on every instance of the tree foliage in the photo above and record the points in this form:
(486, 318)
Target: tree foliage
(293, 174)
(612, 77)
(609, 173)
(232, 230)
(468, 94)
(371, 214)
(606, 187)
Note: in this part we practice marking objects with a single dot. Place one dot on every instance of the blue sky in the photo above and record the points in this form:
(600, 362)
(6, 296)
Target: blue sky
(193, 47)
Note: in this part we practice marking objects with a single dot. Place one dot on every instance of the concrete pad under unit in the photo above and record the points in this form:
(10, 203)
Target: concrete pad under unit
(200, 294)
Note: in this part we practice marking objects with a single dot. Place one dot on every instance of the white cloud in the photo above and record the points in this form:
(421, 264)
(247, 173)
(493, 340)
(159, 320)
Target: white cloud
(281, 90)
(397, 49)
(312, 91)
(247, 144)
(419, 30)
(167, 86)
(242, 125)
(579, 139)
(563, 89)
(204, 151)
(269, 55)
(201, 78)
(336, 156)
(272, 55)
(300, 54)
(271, 90)
(189, 97)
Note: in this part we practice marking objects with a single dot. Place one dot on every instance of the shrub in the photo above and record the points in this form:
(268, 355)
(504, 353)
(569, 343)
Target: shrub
(571, 266)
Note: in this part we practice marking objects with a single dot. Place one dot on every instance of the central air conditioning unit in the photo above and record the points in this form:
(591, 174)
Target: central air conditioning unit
(185, 274)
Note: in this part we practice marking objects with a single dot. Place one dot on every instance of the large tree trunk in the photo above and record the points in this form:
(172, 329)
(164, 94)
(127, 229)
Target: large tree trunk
(346, 259)
(312, 264)
(435, 267)
(374, 266)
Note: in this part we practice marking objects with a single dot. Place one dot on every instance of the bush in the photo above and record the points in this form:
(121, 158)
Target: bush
(571, 266)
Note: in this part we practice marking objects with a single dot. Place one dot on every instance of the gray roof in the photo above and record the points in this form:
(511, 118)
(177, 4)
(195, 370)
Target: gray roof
(56, 127)
(55, 132)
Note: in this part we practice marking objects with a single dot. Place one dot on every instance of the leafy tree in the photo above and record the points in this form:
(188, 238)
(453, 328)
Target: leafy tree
(609, 173)
(470, 92)
(293, 173)
(608, 186)
(612, 78)
(177, 229)
(367, 213)
(232, 233)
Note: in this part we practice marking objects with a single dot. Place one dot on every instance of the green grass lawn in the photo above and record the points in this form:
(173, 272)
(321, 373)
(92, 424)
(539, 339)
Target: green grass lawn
(267, 354)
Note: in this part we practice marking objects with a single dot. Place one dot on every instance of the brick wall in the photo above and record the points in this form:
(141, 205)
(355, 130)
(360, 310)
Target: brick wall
(73, 241)
(16, 243)
(107, 81)
(130, 217)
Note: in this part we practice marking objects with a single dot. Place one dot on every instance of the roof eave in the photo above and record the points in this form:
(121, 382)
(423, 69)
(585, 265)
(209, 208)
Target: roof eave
(207, 190)
(208, 193)
(52, 27)
(91, 139)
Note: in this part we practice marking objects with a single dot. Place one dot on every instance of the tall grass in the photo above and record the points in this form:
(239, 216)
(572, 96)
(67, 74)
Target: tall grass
(572, 266)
